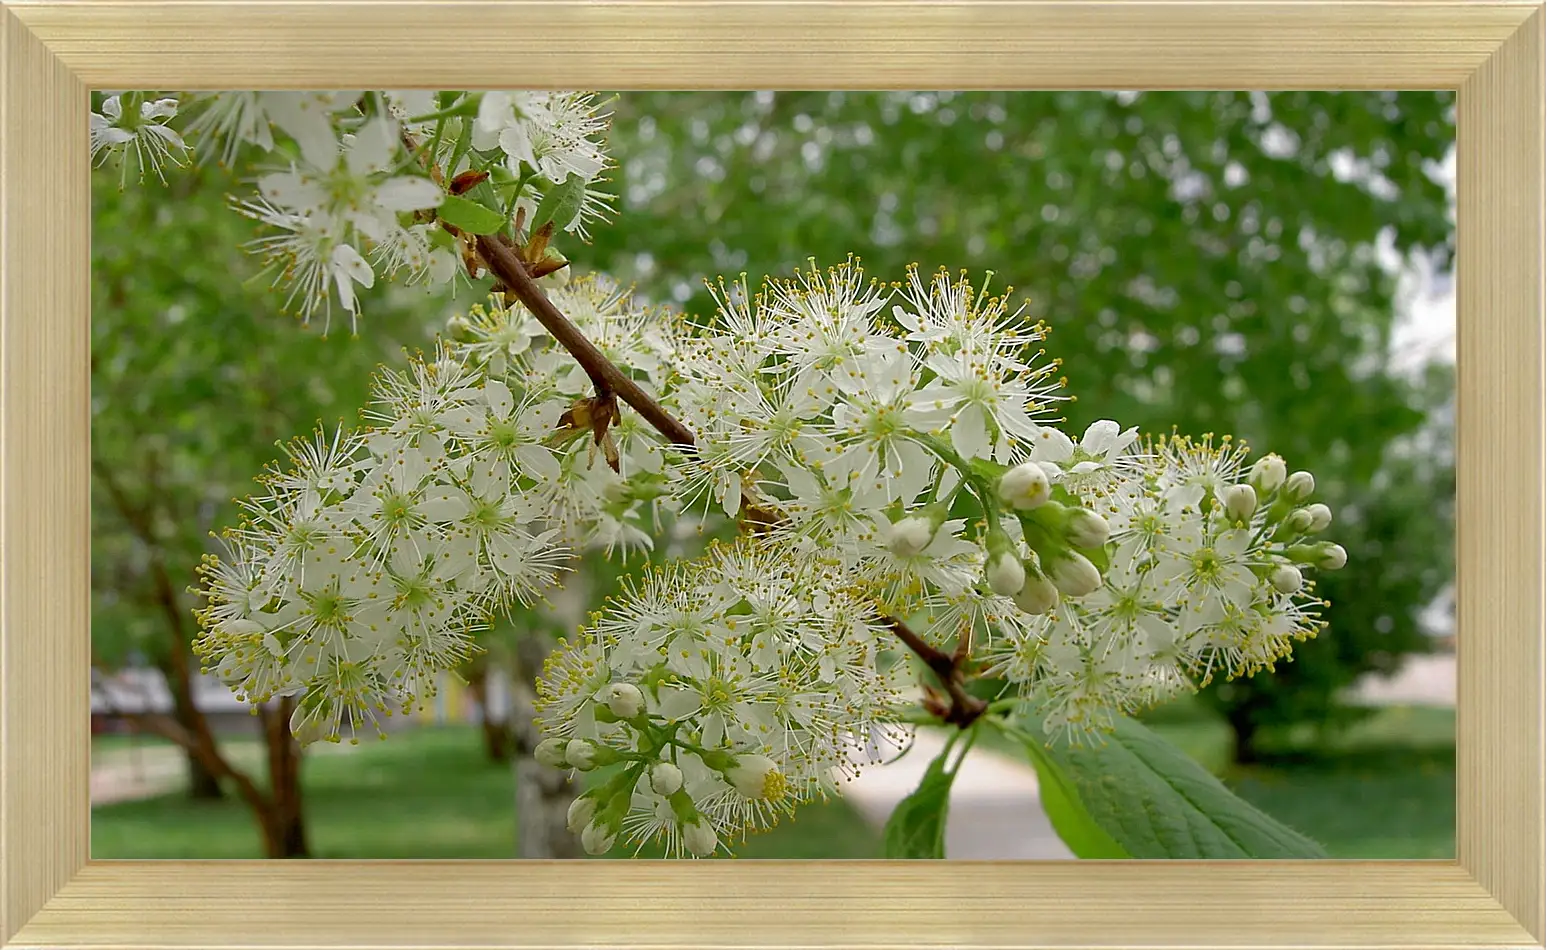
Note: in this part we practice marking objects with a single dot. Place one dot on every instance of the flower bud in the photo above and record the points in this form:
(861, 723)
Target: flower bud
(757, 777)
(1038, 595)
(1300, 485)
(597, 839)
(586, 755)
(1331, 557)
(1240, 502)
(624, 699)
(1025, 486)
(581, 811)
(1005, 574)
(550, 752)
(1321, 517)
(1086, 529)
(665, 778)
(1074, 575)
(911, 535)
(1268, 474)
(699, 838)
(1300, 520)
(1286, 579)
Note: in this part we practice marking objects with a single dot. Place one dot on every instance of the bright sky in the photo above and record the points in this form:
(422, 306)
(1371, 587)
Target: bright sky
(1426, 326)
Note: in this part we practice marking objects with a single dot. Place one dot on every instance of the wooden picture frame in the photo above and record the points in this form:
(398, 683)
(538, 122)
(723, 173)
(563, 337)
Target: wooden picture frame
(54, 51)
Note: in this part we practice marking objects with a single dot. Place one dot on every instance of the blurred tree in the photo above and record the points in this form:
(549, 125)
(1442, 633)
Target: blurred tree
(1219, 261)
(194, 378)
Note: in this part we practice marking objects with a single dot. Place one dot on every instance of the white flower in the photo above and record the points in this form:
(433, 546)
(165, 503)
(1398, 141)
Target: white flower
(337, 205)
(1094, 463)
(139, 136)
(756, 776)
(1216, 572)
(555, 134)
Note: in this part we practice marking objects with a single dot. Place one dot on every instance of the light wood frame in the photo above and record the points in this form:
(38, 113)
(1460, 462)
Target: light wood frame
(53, 51)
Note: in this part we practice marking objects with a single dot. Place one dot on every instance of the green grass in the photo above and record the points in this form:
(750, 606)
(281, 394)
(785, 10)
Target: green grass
(1385, 789)
(429, 793)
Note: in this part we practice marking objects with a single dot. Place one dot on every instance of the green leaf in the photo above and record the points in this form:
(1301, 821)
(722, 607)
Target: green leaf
(470, 216)
(1078, 830)
(560, 205)
(916, 828)
(1156, 802)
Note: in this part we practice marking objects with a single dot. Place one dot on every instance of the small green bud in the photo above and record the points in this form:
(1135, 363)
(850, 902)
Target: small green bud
(581, 811)
(665, 778)
(1240, 502)
(699, 837)
(550, 752)
(624, 699)
(1268, 474)
(1300, 485)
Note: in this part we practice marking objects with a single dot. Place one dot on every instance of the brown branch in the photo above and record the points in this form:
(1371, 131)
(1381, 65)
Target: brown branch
(606, 377)
(964, 708)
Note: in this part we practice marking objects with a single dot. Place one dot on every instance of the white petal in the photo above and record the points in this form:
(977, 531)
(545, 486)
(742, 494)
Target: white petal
(515, 142)
(969, 433)
(347, 262)
(407, 193)
(304, 118)
(373, 147)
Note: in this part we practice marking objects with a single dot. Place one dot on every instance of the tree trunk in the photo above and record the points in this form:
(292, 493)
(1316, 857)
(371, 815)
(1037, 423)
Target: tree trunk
(282, 822)
(497, 737)
(203, 784)
(543, 794)
(1243, 726)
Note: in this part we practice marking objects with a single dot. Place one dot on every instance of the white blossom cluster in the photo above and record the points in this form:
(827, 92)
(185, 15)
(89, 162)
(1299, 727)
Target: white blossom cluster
(372, 558)
(1203, 573)
(351, 175)
(895, 430)
(719, 694)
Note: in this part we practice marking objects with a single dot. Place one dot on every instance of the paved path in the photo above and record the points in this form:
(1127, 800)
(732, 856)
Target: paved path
(128, 774)
(995, 812)
(1427, 680)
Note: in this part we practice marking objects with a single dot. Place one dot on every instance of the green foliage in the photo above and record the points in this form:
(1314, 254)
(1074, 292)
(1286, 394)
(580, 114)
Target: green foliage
(1201, 263)
(916, 827)
(470, 216)
(560, 205)
(1153, 801)
(1060, 799)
